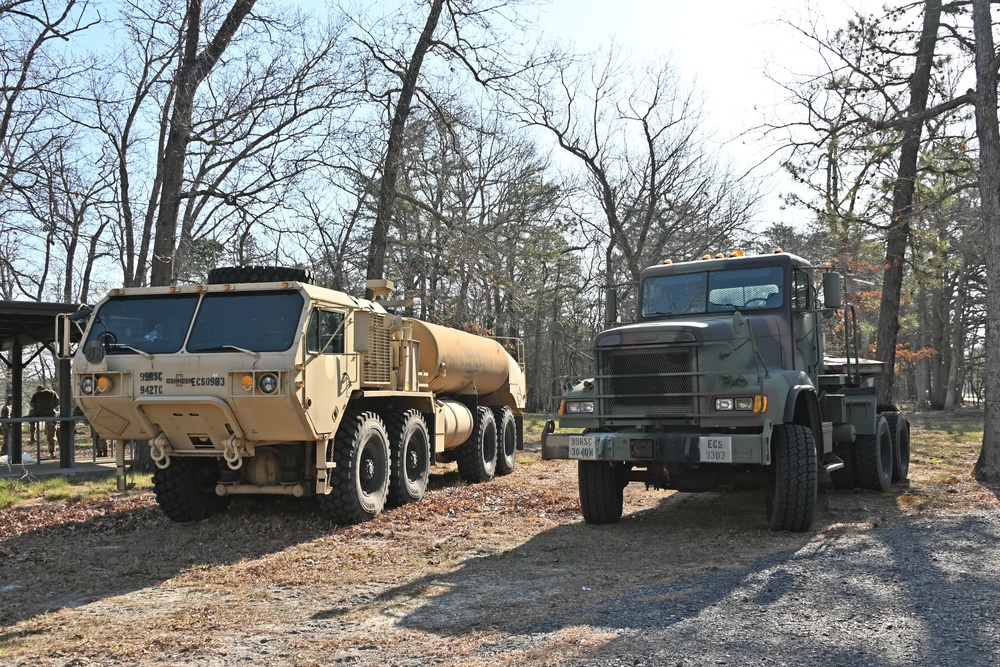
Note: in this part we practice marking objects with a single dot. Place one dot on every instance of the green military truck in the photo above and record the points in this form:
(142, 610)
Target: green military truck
(722, 382)
(262, 383)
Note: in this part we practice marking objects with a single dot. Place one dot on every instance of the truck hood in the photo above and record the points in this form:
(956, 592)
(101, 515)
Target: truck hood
(710, 328)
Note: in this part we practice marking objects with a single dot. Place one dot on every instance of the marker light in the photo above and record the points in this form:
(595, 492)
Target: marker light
(103, 384)
(247, 383)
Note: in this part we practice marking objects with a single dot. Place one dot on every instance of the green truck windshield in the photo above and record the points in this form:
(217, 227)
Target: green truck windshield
(257, 321)
(713, 292)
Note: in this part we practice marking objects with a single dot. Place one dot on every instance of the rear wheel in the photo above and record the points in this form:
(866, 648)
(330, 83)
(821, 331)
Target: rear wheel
(602, 491)
(361, 476)
(477, 456)
(791, 497)
(411, 457)
(873, 458)
(185, 490)
(506, 440)
(899, 432)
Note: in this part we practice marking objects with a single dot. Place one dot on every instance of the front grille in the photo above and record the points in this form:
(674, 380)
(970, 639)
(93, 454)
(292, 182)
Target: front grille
(647, 382)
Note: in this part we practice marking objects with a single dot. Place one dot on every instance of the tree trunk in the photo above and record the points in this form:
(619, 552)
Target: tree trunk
(375, 266)
(988, 466)
(194, 68)
(898, 232)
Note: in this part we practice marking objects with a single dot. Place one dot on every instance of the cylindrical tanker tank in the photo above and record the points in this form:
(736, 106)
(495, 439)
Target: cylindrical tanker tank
(456, 362)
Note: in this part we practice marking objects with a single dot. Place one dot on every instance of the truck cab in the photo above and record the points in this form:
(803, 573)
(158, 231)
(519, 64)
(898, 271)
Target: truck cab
(721, 382)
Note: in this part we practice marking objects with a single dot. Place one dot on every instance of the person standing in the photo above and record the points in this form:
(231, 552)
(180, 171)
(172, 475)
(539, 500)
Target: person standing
(43, 404)
(5, 413)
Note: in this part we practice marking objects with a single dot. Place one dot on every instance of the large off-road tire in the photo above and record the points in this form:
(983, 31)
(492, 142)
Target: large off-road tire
(899, 432)
(602, 491)
(845, 478)
(410, 457)
(360, 481)
(873, 458)
(257, 274)
(791, 496)
(185, 490)
(477, 456)
(506, 440)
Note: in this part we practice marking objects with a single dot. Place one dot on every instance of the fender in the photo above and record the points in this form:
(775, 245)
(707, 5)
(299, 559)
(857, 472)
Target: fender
(802, 407)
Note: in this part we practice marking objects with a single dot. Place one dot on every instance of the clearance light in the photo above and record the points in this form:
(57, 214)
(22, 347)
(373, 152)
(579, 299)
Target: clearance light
(719, 255)
(778, 250)
(226, 288)
(103, 384)
(87, 385)
(706, 257)
(737, 253)
(668, 261)
(268, 383)
(247, 383)
(199, 288)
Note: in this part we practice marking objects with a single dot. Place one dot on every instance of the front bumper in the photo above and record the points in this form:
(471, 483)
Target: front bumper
(642, 447)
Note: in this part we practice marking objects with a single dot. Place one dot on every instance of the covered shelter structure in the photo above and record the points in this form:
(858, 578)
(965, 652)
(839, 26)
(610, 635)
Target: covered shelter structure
(31, 326)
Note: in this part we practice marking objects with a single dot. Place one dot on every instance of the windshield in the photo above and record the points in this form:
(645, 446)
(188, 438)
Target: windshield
(155, 324)
(713, 292)
(256, 321)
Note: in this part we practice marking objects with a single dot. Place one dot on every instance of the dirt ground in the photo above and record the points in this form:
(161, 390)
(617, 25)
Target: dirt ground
(487, 574)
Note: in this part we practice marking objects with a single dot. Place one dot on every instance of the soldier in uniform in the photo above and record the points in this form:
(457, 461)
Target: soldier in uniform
(5, 413)
(43, 404)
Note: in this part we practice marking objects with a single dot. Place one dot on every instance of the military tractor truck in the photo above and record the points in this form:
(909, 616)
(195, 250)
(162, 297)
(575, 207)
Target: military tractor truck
(262, 383)
(722, 383)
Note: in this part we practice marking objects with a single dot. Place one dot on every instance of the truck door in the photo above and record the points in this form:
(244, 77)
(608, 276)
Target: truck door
(805, 327)
(329, 372)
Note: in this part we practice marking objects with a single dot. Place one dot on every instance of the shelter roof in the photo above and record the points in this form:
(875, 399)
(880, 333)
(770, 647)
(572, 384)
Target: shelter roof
(30, 322)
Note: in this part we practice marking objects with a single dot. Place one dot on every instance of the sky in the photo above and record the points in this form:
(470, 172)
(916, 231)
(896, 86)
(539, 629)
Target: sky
(724, 49)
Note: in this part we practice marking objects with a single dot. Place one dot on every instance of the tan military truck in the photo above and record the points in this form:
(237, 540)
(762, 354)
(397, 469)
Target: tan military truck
(262, 383)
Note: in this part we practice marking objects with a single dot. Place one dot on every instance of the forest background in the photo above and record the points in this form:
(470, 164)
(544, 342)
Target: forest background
(501, 179)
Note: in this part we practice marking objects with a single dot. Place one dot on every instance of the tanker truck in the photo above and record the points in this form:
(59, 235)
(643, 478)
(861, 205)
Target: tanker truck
(260, 382)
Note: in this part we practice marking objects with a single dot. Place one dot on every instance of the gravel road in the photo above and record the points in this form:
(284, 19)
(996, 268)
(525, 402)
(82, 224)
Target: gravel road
(919, 594)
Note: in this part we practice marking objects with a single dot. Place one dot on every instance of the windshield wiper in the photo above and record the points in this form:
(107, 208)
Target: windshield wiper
(220, 348)
(123, 346)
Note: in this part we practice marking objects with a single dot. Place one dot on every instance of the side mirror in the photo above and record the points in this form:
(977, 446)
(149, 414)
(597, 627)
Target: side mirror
(610, 307)
(832, 292)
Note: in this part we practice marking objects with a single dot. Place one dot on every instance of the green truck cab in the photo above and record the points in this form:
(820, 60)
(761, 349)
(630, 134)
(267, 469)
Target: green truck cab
(722, 382)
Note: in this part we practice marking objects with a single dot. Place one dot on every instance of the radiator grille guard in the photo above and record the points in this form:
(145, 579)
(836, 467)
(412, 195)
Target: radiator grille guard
(647, 382)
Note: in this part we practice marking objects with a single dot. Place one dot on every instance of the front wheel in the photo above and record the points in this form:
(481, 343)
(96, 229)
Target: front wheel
(361, 476)
(602, 491)
(185, 490)
(411, 457)
(873, 458)
(791, 497)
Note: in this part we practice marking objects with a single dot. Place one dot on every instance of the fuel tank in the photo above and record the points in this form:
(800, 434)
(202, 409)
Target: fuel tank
(456, 362)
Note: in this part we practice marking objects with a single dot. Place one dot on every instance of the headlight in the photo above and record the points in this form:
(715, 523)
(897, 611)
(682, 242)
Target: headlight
(756, 403)
(87, 385)
(268, 383)
(577, 407)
